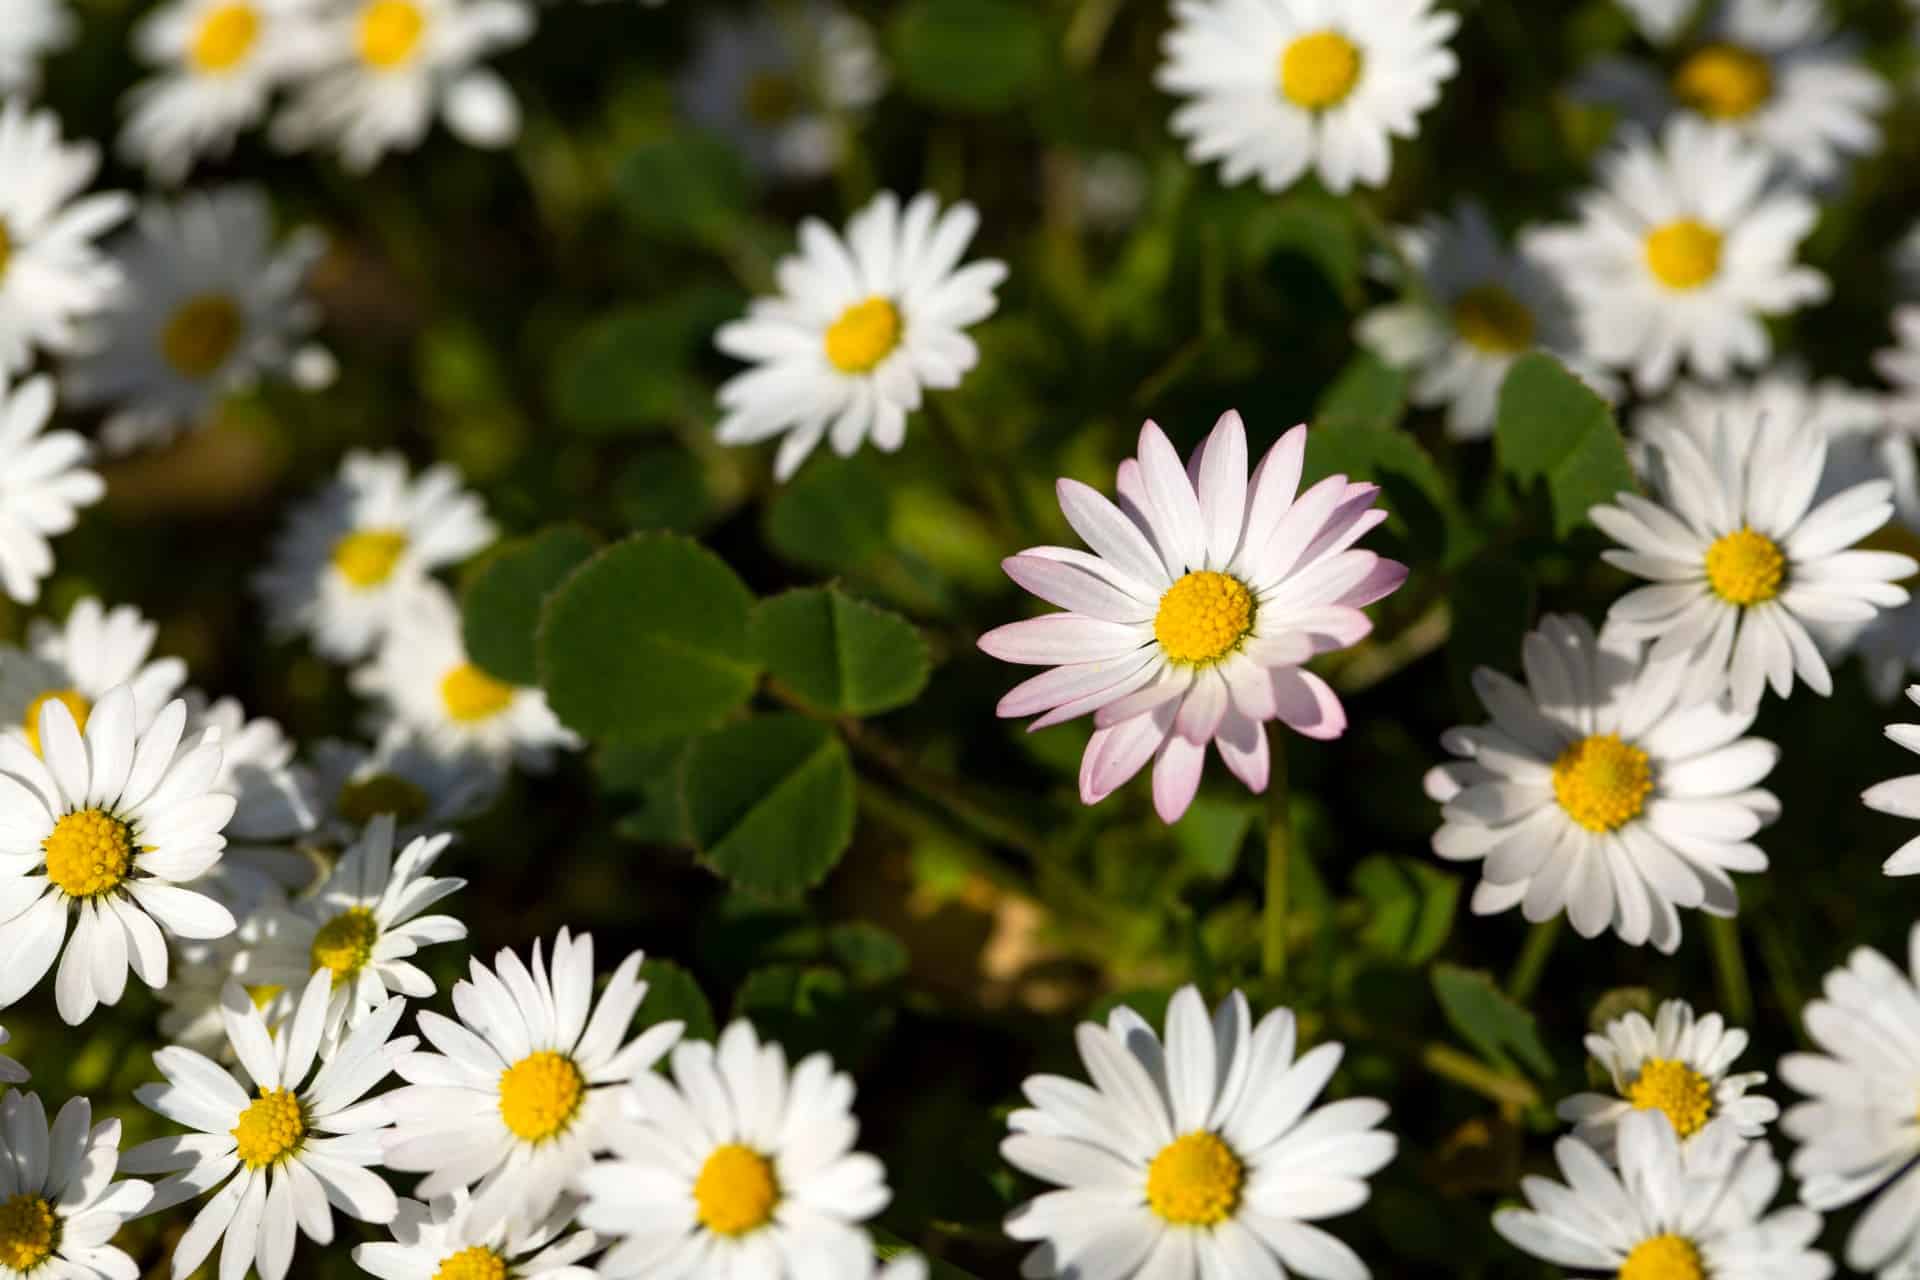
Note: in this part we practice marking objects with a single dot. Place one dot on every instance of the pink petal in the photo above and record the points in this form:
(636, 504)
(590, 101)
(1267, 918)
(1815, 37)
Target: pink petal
(1114, 755)
(1059, 639)
(1307, 705)
(1176, 776)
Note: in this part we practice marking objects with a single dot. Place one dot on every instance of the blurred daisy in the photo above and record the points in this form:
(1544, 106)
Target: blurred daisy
(1590, 792)
(11, 1072)
(1888, 644)
(905, 1267)
(1480, 308)
(1682, 254)
(401, 775)
(1677, 1065)
(1660, 20)
(737, 1168)
(1901, 796)
(44, 481)
(256, 768)
(77, 661)
(1741, 558)
(1899, 365)
(1205, 1157)
(386, 67)
(60, 1207)
(426, 684)
(190, 1002)
(352, 557)
(29, 31)
(1829, 406)
(446, 1241)
(1279, 87)
(52, 275)
(212, 306)
(296, 1142)
(525, 1086)
(1192, 619)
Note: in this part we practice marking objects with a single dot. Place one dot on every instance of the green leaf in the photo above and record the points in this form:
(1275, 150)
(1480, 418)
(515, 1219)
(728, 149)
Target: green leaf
(1368, 393)
(500, 606)
(769, 802)
(839, 654)
(1319, 228)
(970, 55)
(810, 1007)
(686, 186)
(1425, 519)
(674, 996)
(870, 955)
(1211, 835)
(646, 640)
(645, 775)
(1491, 1023)
(833, 516)
(664, 489)
(1554, 429)
(1412, 907)
(628, 370)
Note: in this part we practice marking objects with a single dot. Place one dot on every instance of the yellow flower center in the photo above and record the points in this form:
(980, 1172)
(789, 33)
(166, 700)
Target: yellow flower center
(225, 37)
(865, 334)
(1601, 782)
(6, 249)
(771, 97)
(344, 944)
(200, 335)
(1319, 70)
(1745, 567)
(1683, 254)
(1494, 321)
(472, 695)
(1724, 81)
(390, 32)
(1203, 617)
(28, 1232)
(540, 1094)
(88, 853)
(361, 800)
(1666, 1257)
(1195, 1181)
(74, 701)
(263, 995)
(366, 557)
(736, 1191)
(1666, 1084)
(270, 1129)
(475, 1262)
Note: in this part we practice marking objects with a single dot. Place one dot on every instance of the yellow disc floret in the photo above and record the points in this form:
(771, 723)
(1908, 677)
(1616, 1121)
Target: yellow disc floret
(200, 334)
(1683, 254)
(865, 334)
(471, 695)
(1667, 1257)
(72, 699)
(475, 1262)
(1318, 71)
(1203, 617)
(344, 944)
(1724, 82)
(390, 32)
(1746, 567)
(1669, 1085)
(6, 249)
(1493, 320)
(366, 557)
(361, 800)
(736, 1191)
(1602, 782)
(28, 1232)
(225, 38)
(270, 1129)
(1195, 1181)
(540, 1094)
(89, 852)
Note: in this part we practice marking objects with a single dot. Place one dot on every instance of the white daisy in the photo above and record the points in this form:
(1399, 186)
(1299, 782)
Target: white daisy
(353, 556)
(11, 1072)
(44, 481)
(1202, 1158)
(1590, 792)
(1677, 1065)
(288, 1141)
(447, 1241)
(190, 1002)
(424, 789)
(905, 1267)
(1682, 254)
(1192, 619)
(29, 31)
(1662, 1216)
(107, 830)
(1899, 365)
(59, 1204)
(426, 683)
(1480, 307)
(1888, 645)
(256, 768)
(526, 1085)
(386, 68)
(211, 307)
(861, 327)
(1279, 87)
(1900, 796)
(1660, 20)
(1829, 406)
(738, 1168)
(1741, 558)
(76, 662)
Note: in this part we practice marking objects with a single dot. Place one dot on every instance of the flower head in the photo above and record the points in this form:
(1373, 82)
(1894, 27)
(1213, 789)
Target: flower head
(44, 481)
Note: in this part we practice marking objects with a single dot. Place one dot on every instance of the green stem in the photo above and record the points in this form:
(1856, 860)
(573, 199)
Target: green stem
(1525, 978)
(1279, 851)
(1450, 1063)
(1730, 970)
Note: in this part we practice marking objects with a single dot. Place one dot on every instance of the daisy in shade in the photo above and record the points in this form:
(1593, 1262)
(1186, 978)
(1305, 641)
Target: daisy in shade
(1677, 1065)
(29, 31)
(77, 661)
(190, 1002)
(1899, 365)
(403, 775)
(1682, 255)
(106, 832)
(60, 1207)
(1887, 645)
(353, 557)
(11, 1072)
(1203, 1157)
(1831, 407)
(526, 1085)
(1281, 87)
(1592, 792)
(1900, 796)
(1741, 558)
(446, 1241)
(1660, 20)
(287, 1141)
(1190, 622)
(256, 768)
(737, 1168)
(1666, 1214)
(44, 481)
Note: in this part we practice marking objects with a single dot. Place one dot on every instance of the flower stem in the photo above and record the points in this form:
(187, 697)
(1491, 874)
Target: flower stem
(1525, 978)
(1730, 970)
(1279, 852)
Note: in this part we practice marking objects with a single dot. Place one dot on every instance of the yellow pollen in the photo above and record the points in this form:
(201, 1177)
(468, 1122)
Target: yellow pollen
(1684, 254)
(1666, 1084)
(475, 1262)
(361, 800)
(771, 98)
(1666, 1257)
(270, 1129)
(1203, 617)
(75, 702)
(1195, 1181)
(200, 335)
(1319, 70)
(28, 1232)
(1494, 321)
(1601, 782)
(366, 557)
(1745, 567)
(225, 37)
(344, 944)
(736, 1191)
(88, 853)
(865, 334)
(1724, 81)
(540, 1094)
(472, 695)
(263, 995)
(390, 32)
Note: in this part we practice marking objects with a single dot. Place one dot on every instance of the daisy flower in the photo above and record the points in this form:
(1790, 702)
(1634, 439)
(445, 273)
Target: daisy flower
(1660, 20)
(446, 1241)
(44, 481)
(1677, 1065)
(107, 831)
(426, 684)
(525, 1086)
(1888, 645)
(1279, 87)
(353, 556)
(1482, 307)
(1592, 791)
(287, 1142)
(737, 1168)
(11, 1072)
(1662, 1216)
(1205, 1157)
(77, 661)
(1740, 557)
(386, 67)
(1192, 618)
(402, 775)
(256, 768)
(211, 307)
(29, 31)
(1899, 365)
(190, 1002)
(1829, 406)
(1900, 796)
(861, 327)
(59, 1204)
(1683, 254)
